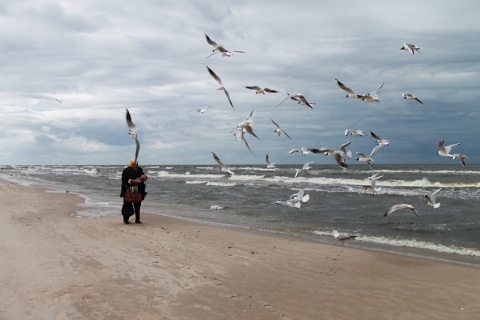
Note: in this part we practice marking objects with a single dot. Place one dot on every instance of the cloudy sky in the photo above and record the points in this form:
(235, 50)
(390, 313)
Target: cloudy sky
(100, 57)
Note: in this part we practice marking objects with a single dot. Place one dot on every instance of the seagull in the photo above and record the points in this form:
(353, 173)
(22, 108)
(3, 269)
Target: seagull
(363, 158)
(218, 48)
(444, 151)
(279, 130)
(221, 85)
(300, 196)
(305, 167)
(410, 48)
(300, 98)
(403, 206)
(290, 203)
(247, 125)
(462, 158)
(200, 110)
(259, 90)
(59, 100)
(373, 183)
(377, 147)
(372, 96)
(270, 165)
(354, 132)
(223, 167)
(409, 96)
(343, 236)
(350, 93)
(343, 150)
(338, 155)
(132, 131)
(431, 199)
(303, 151)
(379, 140)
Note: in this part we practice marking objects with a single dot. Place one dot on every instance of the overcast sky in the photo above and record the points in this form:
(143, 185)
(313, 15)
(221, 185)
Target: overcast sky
(100, 57)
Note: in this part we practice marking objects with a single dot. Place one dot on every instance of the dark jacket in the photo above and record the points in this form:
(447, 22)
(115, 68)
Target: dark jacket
(130, 173)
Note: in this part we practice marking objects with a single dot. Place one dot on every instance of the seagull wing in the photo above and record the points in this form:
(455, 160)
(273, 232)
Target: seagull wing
(210, 41)
(256, 88)
(374, 136)
(215, 76)
(345, 88)
(270, 90)
(137, 150)
(228, 97)
(286, 98)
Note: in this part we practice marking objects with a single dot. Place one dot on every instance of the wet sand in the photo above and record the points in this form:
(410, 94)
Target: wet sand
(56, 265)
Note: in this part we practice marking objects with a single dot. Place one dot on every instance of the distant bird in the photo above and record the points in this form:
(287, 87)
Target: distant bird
(343, 236)
(132, 131)
(363, 158)
(270, 165)
(259, 90)
(247, 125)
(200, 110)
(222, 87)
(402, 206)
(373, 183)
(444, 151)
(305, 167)
(350, 93)
(379, 140)
(303, 151)
(410, 48)
(338, 155)
(431, 198)
(409, 96)
(372, 96)
(279, 130)
(300, 196)
(462, 158)
(354, 132)
(300, 98)
(59, 100)
(218, 48)
(223, 167)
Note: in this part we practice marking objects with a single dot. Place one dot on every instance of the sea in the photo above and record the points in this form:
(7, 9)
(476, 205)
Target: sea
(337, 201)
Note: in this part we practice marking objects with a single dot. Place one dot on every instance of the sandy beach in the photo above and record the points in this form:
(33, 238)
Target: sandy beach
(56, 265)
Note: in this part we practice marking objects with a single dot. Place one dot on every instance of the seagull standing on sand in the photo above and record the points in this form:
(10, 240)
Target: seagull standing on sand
(431, 199)
(409, 96)
(410, 48)
(462, 158)
(132, 131)
(444, 151)
(343, 236)
(279, 130)
(402, 206)
(270, 165)
(350, 93)
(222, 87)
(223, 167)
(259, 90)
(305, 167)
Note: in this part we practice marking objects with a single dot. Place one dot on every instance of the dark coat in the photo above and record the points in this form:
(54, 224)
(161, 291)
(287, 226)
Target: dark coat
(130, 173)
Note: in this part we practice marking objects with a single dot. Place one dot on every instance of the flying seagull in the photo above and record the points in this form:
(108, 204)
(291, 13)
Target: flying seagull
(222, 87)
(372, 96)
(259, 90)
(338, 155)
(290, 203)
(402, 206)
(223, 167)
(303, 151)
(363, 158)
(270, 165)
(409, 96)
(300, 98)
(59, 100)
(431, 198)
(354, 132)
(200, 110)
(305, 167)
(379, 140)
(132, 131)
(410, 48)
(444, 151)
(279, 130)
(350, 93)
(240, 136)
(247, 125)
(218, 48)
(300, 196)
(373, 183)
(343, 236)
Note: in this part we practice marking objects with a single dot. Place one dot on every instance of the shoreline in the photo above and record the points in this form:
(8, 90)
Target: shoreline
(58, 266)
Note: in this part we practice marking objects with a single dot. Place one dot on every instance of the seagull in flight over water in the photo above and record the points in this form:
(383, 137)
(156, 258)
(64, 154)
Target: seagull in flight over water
(462, 158)
(222, 87)
(402, 206)
(410, 48)
(223, 167)
(409, 96)
(132, 131)
(270, 165)
(279, 130)
(431, 198)
(444, 151)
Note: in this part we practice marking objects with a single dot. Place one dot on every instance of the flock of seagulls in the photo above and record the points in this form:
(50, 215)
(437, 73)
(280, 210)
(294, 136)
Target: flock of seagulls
(342, 154)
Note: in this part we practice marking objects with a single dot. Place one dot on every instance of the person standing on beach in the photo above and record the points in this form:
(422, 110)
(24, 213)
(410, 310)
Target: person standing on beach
(132, 176)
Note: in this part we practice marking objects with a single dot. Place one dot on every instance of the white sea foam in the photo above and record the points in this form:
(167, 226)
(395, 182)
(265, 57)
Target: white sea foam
(221, 184)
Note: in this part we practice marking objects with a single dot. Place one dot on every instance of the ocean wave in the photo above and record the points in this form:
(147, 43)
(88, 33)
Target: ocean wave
(412, 243)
